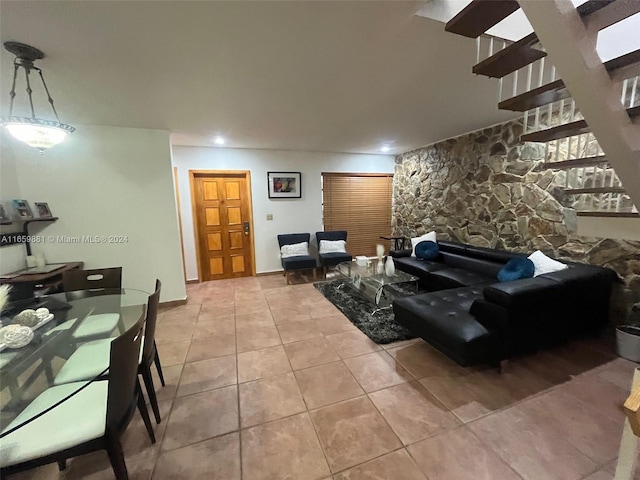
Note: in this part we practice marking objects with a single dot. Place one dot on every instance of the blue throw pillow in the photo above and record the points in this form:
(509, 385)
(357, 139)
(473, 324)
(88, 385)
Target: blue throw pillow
(515, 269)
(427, 250)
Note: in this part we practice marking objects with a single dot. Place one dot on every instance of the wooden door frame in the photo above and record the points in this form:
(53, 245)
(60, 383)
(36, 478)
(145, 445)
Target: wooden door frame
(220, 173)
(176, 187)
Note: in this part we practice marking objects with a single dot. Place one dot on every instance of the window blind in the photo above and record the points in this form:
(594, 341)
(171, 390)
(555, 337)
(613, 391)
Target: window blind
(359, 203)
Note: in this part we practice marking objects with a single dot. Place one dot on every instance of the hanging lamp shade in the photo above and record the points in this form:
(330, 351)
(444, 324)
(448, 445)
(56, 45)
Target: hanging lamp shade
(36, 132)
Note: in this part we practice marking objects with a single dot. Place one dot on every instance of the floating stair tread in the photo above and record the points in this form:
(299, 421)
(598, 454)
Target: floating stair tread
(479, 16)
(576, 162)
(612, 13)
(622, 61)
(543, 95)
(605, 213)
(587, 8)
(568, 129)
(555, 133)
(511, 58)
(633, 112)
(580, 191)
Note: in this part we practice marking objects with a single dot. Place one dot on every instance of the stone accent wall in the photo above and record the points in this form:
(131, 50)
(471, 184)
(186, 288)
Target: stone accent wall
(488, 189)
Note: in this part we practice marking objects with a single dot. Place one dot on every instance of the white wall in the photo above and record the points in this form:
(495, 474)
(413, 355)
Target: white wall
(11, 257)
(102, 181)
(289, 215)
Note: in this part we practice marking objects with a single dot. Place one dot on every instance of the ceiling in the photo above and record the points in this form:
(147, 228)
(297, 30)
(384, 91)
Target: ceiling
(335, 76)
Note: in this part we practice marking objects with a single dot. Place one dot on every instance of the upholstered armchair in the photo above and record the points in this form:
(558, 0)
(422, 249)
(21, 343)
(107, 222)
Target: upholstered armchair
(332, 252)
(294, 256)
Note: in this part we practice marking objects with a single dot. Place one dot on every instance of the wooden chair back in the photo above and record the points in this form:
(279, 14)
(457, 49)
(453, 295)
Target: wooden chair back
(150, 325)
(96, 279)
(123, 376)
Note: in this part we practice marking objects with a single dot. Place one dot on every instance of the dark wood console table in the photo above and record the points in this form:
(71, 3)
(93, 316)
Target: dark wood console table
(25, 283)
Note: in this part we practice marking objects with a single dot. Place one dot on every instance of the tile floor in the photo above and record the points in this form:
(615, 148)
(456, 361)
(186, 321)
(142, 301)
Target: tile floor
(267, 381)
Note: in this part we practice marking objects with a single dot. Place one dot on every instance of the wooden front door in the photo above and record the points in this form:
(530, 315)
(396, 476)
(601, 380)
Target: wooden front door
(222, 216)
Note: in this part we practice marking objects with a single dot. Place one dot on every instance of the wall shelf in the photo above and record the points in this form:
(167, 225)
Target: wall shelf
(16, 238)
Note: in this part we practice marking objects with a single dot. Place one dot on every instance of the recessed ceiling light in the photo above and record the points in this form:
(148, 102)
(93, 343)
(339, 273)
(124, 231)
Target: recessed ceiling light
(385, 148)
(219, 140)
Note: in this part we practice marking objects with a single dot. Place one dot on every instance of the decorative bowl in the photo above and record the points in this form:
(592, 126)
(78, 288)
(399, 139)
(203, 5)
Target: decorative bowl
(16, 336)
(28, 318)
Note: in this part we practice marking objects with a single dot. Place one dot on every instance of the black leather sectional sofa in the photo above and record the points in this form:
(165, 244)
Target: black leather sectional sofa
(472, 318)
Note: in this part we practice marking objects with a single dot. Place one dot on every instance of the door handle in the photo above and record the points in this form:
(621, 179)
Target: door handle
(246, 228)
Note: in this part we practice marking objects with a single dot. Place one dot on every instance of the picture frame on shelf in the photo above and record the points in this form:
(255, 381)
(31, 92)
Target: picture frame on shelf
(22, 208)
(284, 184)
(43, 210)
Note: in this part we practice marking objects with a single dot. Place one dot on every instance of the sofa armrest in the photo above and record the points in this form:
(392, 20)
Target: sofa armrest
(526, 291)
(400, 253)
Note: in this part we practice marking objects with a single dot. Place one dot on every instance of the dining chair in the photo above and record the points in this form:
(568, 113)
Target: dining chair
(149, 353)
(77, 418)
(332, 258)
(79, 284)
(91, 358)
(82, 283)
(302, 261)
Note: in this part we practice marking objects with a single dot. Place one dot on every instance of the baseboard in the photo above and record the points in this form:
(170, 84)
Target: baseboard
(173, 303)
(189, 282)
(272, 272)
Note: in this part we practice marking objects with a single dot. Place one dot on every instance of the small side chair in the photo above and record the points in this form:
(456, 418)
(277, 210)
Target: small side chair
(334, 258)
(299, 262)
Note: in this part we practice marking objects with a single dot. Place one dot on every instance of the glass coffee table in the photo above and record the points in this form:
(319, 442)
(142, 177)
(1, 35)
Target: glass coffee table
(372, 285)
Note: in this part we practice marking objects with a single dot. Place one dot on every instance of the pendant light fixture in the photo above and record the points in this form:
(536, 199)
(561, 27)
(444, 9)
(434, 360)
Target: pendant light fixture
(35, 132)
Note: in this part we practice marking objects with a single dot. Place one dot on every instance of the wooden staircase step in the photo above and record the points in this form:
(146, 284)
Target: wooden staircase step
(626, 60)
(555, 91)
(606, 213)
(551, 92)
(511, 58)
(479, 16)
(611, 14)
(594, 190)
(556, 133)
(592, 6)
(521, 53)
(633, 112)
(576, 163)
(568, 129)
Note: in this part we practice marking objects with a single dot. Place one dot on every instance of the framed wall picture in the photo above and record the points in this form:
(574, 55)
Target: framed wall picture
(43, 210)
(284, 184)
(22, 208)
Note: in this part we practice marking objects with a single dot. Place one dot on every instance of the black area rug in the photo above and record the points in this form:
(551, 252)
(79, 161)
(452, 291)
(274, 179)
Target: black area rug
(381, 327)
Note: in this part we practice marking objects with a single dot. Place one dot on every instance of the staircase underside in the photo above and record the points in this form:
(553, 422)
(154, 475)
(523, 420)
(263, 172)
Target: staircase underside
(568, 33)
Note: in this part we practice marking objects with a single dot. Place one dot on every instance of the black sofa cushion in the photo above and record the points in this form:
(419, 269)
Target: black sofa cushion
(480, 265)
(443, 319)
(417, 266)
(457, 277)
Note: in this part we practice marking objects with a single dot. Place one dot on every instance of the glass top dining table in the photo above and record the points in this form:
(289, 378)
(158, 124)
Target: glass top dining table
(28, 371)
